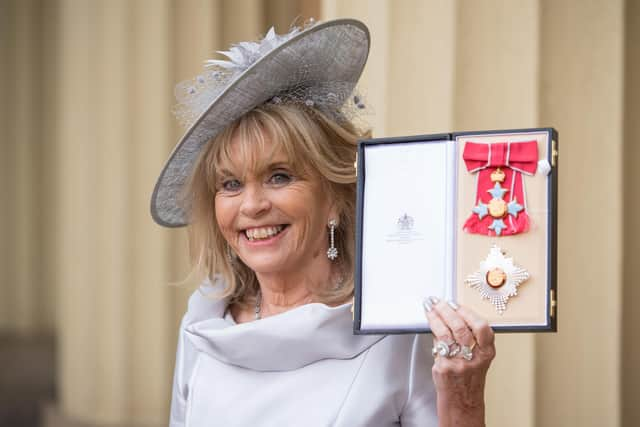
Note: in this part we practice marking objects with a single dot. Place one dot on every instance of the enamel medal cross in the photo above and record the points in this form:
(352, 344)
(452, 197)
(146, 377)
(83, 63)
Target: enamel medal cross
(500, 206)
(497, 208)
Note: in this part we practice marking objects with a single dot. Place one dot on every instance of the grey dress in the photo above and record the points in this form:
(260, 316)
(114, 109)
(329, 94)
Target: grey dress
(300, 368)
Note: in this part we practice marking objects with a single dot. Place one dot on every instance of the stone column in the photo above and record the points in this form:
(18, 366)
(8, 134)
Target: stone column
(7, 157)
(115, 323)
(630, 349)
(24, 309)
(581, 94)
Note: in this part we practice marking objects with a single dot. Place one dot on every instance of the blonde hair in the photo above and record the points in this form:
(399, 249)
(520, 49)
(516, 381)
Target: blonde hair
(317, 147)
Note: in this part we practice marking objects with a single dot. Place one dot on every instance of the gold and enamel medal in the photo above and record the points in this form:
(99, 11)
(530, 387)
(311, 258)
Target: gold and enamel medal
(499, 167)
(497, 208)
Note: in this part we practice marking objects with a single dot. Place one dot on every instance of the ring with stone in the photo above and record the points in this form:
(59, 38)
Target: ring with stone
(467, 352)
(443, 349)
(454, 349)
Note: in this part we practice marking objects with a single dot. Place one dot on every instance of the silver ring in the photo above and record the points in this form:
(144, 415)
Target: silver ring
(454, 349)
(440, 348)
(467, 352)
(443, 349)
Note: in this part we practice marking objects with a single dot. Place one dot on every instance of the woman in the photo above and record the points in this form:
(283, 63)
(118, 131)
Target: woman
(265, 179)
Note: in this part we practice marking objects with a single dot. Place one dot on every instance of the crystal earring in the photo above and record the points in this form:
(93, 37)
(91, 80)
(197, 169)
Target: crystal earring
(332, 252)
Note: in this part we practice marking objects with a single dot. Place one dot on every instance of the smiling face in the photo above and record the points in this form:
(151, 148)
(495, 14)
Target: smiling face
(266, 188)
(273, 215)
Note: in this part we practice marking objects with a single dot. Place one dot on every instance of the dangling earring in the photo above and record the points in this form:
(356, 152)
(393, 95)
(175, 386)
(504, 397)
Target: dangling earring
(332, 252)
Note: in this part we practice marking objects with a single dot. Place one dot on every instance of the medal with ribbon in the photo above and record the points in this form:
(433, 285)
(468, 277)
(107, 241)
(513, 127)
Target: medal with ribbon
(500, 206)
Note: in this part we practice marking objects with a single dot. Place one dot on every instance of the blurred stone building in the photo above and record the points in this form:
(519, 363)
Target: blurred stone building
(88, 315)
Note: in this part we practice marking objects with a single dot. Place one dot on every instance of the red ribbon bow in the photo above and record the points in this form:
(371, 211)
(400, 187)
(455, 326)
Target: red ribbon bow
(520, 156)
(514, 159)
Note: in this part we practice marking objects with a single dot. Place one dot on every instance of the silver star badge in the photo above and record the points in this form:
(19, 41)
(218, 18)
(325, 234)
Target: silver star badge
(497, 279)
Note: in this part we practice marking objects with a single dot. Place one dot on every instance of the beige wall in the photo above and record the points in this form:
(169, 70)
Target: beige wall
(85, 126)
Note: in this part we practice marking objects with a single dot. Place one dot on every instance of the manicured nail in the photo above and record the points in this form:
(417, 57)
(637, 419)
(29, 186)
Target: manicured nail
(427, 305)
(453, 305)
(434, 300)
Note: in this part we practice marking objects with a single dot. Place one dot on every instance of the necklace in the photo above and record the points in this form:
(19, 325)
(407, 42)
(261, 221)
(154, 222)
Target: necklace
(258, 308)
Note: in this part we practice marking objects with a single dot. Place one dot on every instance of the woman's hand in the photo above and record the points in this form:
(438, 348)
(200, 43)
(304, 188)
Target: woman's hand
(459, 380)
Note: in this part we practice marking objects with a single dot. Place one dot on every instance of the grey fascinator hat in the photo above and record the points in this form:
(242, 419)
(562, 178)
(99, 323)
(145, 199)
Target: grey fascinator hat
(317, 65)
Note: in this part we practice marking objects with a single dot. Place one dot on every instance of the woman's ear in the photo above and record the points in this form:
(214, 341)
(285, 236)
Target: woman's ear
(334, 213)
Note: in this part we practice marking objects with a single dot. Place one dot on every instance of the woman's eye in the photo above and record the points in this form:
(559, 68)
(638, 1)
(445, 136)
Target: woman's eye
(231, 185)
(280, 178)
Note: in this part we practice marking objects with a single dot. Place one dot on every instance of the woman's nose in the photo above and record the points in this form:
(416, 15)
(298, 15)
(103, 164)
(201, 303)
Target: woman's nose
(254, 201)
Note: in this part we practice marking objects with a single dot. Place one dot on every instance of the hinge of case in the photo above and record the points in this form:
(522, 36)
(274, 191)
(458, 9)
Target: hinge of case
(355, 164)
(552, 303)
(554, 152)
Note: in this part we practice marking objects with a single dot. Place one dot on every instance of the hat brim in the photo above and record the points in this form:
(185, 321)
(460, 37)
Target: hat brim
(334, 51)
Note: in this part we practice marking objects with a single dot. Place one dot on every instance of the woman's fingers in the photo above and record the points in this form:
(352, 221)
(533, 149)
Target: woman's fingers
(457, 324)
(481, 330)
(459, 377)
(439, 329)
